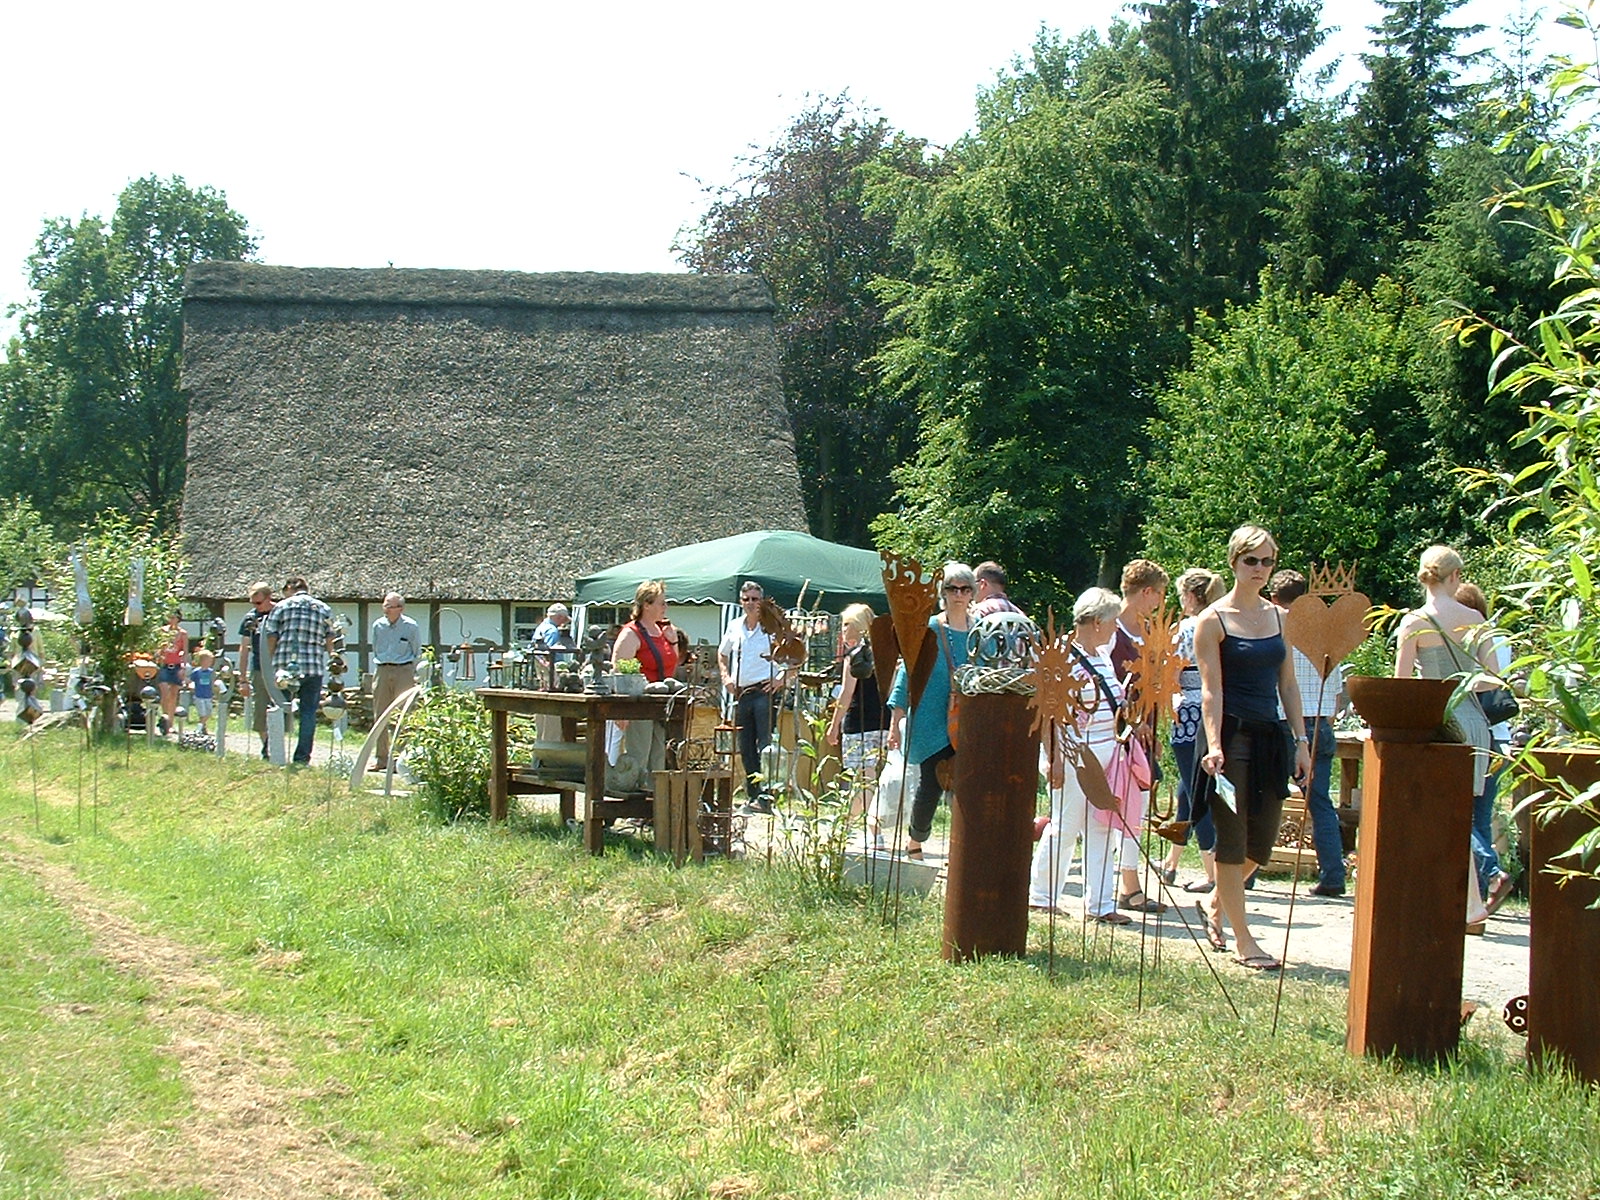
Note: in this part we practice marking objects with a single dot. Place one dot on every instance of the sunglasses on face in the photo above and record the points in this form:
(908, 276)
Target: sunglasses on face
(1251, 560)
(749, 599)
(958, 587)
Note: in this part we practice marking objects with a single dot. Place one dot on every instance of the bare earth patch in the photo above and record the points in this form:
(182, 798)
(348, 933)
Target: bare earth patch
(246, 1141)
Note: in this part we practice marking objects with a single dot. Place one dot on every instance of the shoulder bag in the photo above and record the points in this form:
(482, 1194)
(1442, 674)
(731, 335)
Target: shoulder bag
(1498, 704)
(953, 713)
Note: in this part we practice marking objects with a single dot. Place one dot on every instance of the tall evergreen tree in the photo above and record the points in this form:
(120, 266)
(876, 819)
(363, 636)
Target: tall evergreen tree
(1228, 69)
(1404, 113)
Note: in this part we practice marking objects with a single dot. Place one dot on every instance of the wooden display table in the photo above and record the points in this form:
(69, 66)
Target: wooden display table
(593, 711)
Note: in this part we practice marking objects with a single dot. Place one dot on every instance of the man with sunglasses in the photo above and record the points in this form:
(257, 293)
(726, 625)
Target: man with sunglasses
(753, 680)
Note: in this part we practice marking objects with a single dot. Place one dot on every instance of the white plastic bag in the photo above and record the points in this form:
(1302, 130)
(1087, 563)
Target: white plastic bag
(893, 782)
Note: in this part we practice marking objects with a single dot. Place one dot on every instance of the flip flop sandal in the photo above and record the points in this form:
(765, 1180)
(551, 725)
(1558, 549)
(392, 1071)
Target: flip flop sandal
(1213, 932)
(1259, 962)
(1199, 887)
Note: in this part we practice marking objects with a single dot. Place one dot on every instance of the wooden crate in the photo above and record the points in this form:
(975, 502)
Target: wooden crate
(1295, 825)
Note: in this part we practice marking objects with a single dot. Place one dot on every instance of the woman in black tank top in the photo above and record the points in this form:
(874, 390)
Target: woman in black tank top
(1246, 674)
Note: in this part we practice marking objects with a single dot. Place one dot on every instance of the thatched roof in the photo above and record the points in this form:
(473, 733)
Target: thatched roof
(472, 435)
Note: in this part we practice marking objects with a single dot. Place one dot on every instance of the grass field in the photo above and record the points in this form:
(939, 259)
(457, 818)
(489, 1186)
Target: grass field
(220, 980)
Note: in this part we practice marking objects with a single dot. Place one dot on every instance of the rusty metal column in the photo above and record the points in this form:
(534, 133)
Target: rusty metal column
(1411, 898)
(1563, 932)
(991, 829)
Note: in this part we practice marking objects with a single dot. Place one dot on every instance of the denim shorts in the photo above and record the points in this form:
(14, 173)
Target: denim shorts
(168, 674)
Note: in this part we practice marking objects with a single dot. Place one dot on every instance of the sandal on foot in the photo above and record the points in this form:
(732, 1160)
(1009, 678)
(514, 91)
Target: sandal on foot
(1214, 933)
(1139, 902)
(1167, 875)
(914, 850)
(1114, 918)
(1259, 962)
(1200, 887)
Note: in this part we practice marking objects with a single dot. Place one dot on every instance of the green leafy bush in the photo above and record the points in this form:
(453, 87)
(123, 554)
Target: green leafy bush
(446, 743)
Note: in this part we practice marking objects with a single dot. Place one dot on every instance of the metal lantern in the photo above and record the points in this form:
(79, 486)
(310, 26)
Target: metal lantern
(725, 744)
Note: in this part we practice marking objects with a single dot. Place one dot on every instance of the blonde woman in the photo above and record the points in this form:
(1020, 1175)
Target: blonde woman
(858, 716)
(1435, 642)
(1198, 589)
(1246, 674)
(640, 747)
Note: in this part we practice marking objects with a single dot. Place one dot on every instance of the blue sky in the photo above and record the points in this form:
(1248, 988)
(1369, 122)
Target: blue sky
(529, 136)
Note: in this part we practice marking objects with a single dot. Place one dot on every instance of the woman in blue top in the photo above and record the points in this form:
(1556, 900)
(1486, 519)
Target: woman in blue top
(1246, 674)
(929, 741)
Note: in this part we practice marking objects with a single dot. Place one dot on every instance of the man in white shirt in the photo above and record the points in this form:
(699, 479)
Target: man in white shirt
(1320, 700)
(753, 680)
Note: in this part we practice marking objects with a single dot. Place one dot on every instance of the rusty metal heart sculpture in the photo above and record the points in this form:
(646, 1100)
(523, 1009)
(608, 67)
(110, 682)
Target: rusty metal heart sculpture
(1327, 633)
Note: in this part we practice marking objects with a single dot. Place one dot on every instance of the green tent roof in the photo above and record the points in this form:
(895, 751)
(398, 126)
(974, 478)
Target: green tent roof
(780, 560)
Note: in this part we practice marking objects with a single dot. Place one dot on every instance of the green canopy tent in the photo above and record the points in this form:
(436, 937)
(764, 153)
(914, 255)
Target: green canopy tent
(780, 560)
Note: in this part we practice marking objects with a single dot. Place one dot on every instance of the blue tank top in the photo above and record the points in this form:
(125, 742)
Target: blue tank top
(1250, 674)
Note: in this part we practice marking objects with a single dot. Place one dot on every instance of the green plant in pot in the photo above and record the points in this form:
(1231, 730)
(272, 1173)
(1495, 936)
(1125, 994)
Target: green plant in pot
(627, 677)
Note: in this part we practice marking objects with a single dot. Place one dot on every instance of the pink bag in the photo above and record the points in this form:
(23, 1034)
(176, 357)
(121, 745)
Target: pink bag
(1130, 777)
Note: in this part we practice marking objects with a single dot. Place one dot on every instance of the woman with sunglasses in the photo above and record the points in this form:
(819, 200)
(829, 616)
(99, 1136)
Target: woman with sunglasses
(1246, 674)
(928, 744)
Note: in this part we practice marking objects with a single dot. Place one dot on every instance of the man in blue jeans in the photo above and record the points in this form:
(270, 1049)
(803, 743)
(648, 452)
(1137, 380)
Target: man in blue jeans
(1320, 699)
(753, 680)
(299, 636)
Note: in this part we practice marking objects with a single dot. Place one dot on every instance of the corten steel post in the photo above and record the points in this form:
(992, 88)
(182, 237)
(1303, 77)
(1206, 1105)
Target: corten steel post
(1411, 899)
(991, 829)
(1563, 934)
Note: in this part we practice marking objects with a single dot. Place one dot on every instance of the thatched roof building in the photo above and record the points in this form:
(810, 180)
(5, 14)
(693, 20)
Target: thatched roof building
(472, 435)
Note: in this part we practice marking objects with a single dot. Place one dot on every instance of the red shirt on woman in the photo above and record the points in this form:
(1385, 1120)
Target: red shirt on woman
(661, 664)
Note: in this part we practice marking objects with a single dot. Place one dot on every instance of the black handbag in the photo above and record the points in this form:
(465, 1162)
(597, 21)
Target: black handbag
(1498, 705)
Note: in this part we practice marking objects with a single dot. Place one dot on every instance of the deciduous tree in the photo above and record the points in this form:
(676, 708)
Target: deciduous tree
(1275, 422)
(1030, 337)
(93, 414)
(798, 219)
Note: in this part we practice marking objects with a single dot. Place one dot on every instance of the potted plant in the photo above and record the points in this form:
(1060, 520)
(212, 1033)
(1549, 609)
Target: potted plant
(627, 677)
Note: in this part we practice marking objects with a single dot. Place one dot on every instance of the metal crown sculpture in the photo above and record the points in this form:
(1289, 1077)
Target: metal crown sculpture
(1327, 633)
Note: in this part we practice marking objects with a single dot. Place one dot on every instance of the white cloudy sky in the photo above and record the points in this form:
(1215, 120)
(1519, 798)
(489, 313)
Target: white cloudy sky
(531, 136)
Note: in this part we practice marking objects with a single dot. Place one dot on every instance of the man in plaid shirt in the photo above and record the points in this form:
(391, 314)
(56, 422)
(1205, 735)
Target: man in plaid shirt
(299, 633)
(1320, 700)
